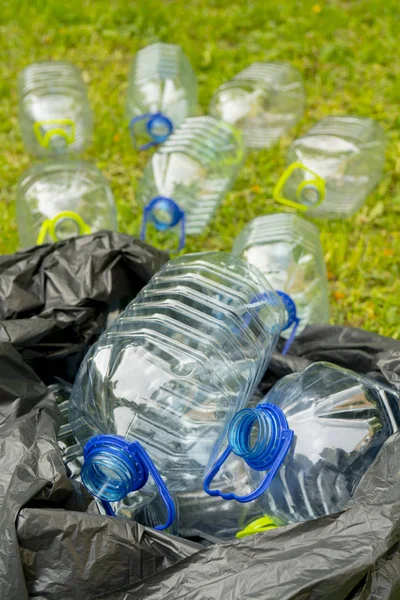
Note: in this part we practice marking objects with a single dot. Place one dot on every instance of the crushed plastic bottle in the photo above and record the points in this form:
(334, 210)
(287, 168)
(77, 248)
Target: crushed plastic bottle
(185, 181)
(61, 199)
(159, 386)
(332, 168)
(54, 111)
(308, 443)
(264, 100)
(288, 251)
(162, 93)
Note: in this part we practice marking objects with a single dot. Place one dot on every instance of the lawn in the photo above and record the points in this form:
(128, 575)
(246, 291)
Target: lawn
(348, 53)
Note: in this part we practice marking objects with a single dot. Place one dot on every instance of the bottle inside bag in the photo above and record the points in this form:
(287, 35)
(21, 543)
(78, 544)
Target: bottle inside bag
(307, 444)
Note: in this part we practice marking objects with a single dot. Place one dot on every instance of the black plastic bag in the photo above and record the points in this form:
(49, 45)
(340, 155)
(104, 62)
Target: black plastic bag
(53, 546)
(54, 299)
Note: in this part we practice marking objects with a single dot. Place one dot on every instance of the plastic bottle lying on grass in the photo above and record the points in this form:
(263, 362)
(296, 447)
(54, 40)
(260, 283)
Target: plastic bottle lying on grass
(61, 199)
(288, 251)
(264, 101)
(333, 167)
(162, 93)
(54, 112)
(185, 181)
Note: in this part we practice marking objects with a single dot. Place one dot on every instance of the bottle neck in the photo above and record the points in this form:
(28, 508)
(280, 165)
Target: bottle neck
(109, 472)
(254, 435)
(164, 213)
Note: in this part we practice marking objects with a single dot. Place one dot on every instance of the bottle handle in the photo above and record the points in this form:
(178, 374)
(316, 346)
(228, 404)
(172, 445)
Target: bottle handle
(177, 216)
(293, 319)
(44, 139)
(318, 182)
(257, 526)
(153, 119)
(287, 438)
(138, 450)
(49, 226)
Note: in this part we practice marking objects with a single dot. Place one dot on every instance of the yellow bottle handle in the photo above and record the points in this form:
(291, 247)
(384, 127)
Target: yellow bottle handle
(49, 226)
(318, 182)
(257, 526)
(44, 140)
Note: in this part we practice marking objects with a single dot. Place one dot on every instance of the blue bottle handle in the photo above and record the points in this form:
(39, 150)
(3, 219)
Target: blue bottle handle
(293, 319)
(177, 216)
(287, 438)
(164, 493)
(269, 459)
(151, 119)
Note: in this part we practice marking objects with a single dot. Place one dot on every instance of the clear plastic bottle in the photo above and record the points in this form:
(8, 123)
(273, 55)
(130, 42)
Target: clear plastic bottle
(333, 167)
(309, 442)
(288, 251)
(186, 179)
(264, 100)
(54, 112)
(170, 373)
(162, 92)
(61, 199)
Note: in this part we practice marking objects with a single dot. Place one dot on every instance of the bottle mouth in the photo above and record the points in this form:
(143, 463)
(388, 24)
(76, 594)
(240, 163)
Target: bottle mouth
(106, 478)
(109, 473)
(164, 212)
(253, 436)
(308, 194)
(159, 127)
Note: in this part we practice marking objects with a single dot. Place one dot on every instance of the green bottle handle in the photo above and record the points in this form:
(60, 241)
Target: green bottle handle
(49, 226)
(44, 140)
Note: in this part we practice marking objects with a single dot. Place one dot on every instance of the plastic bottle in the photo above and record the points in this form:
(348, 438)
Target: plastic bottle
(333, 167)
(61, 199)
(288, 251)
(185, 181)
(54, 112)
(158, 387)
(309, 442)
(264, 100)
(162, 92)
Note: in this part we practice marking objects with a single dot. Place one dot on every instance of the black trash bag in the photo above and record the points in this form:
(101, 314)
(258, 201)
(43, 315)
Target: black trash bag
(55, 299)
(53, 546)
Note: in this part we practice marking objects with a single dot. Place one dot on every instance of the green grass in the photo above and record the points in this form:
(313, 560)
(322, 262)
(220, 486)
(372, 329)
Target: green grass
(347, 52)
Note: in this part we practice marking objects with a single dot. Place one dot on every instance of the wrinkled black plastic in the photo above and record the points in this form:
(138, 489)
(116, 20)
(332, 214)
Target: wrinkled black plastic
(53, 545)
(55, 299)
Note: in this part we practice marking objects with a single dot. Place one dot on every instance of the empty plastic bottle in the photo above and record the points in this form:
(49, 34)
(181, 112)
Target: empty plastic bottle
(54, 112)
(309, 442)
(264, 101)
(61, 199)
(162, 92)
(333, 168)
(288, 251)
(186, 179)
(158, 387)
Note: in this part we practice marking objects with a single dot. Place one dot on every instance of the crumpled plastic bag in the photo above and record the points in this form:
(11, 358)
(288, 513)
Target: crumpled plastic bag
(55, 299)
(53, 545)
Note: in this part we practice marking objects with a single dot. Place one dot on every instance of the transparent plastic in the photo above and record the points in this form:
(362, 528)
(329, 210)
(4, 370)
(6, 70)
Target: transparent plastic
(264, 101)
(186, 179)
(288, 251)
(162, 92)
(54, 112)
(348, 153)
(339, 420)
(61, 199)
(166, 374)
